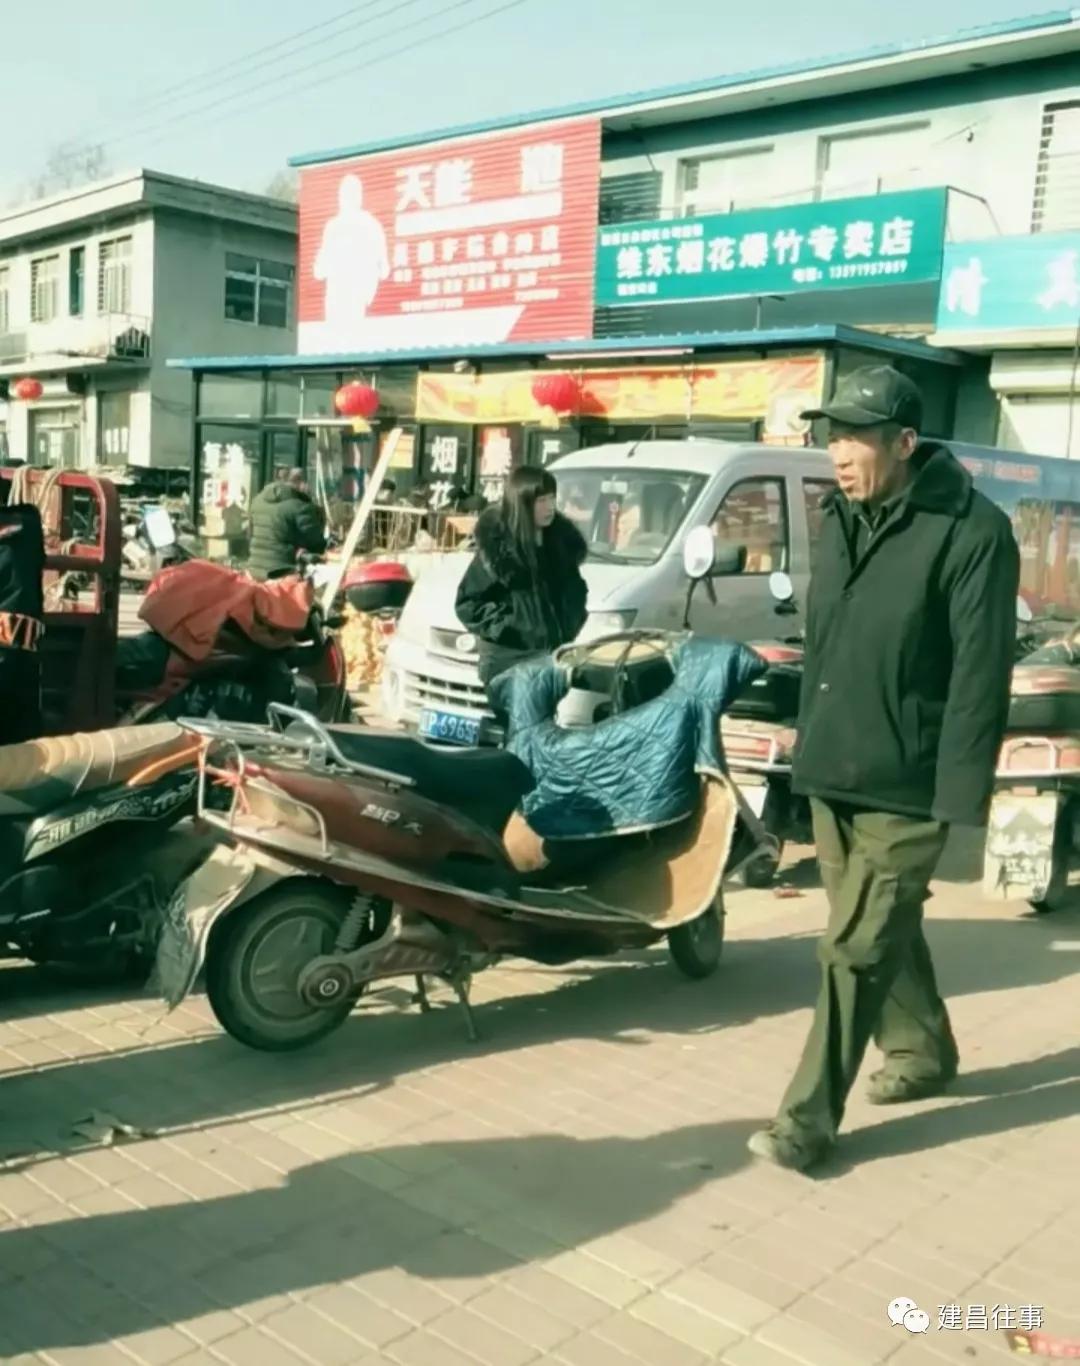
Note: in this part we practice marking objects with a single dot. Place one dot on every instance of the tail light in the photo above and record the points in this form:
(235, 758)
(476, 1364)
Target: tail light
(1039, 756)
(779, 654)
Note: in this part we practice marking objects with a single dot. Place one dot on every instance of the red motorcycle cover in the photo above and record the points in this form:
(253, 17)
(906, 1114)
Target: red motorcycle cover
(190, 604)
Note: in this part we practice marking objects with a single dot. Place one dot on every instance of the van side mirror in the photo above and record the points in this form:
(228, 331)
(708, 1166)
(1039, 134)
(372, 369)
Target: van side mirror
(699, 553)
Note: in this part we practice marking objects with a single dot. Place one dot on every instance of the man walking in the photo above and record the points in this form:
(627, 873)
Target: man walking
(911, 627)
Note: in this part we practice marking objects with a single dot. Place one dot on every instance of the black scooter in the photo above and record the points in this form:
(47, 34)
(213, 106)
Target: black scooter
(89, 850)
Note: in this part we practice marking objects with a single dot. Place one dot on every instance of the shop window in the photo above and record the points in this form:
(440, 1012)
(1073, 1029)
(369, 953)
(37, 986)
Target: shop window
(283, 396)
(236, 396)
(114, 427)
(76, 281)
(44, 289)
(754, 514)
(1057, 177)
(228, 470)
(258, 291)
(317, 395)
(114, 276)
(445, 464)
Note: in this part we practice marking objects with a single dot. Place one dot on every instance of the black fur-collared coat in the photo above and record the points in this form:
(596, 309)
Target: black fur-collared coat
(512, 609)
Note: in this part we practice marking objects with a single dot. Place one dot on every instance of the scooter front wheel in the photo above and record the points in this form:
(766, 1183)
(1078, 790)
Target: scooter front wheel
(697, 947)
(254, 964)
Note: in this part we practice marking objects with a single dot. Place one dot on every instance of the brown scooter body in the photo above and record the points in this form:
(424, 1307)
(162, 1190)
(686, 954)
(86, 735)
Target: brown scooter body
(388, 858)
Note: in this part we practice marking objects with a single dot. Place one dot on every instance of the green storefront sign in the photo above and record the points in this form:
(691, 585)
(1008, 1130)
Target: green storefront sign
(885, 239)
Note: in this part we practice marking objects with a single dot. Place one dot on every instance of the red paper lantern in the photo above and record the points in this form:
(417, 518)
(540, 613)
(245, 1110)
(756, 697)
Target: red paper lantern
(28, 389)
(560, 393)
(357, 400)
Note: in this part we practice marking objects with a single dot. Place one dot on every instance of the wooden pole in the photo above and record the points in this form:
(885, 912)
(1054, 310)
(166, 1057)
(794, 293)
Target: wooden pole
(363, 512)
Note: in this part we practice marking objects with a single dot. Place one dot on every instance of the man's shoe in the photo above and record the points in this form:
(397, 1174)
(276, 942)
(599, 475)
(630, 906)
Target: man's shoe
(894, 1088)
(785, 1149)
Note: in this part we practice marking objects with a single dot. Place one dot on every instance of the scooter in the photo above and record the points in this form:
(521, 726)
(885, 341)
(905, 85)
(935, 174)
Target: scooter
(355, 858)
(156, 681)
(89, 851)
(759, 732)
(1033, 834)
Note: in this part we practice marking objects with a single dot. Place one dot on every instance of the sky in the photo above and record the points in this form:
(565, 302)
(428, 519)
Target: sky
(218, 90)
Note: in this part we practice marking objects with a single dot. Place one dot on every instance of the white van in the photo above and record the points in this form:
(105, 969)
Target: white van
(634, 502)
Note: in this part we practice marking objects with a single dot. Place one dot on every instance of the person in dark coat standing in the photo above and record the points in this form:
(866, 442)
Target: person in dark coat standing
(911, 628)
(284, 521)
(523, 593)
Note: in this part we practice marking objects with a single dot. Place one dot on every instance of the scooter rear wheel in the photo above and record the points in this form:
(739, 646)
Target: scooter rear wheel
(254, 963)
(697, 947)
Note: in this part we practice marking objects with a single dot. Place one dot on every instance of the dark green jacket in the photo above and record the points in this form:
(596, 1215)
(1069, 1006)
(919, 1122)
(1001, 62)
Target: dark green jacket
(283, 521)
(909, 652)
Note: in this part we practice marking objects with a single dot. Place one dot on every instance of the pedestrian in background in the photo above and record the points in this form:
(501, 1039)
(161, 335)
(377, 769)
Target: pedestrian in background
(523, 593)
(911, 627)
(284, 521)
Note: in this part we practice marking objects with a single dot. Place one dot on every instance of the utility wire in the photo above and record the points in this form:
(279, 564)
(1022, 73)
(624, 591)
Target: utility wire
(401, 51)
(210, 80)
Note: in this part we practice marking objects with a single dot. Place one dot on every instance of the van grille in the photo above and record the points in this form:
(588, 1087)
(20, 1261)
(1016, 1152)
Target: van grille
(423, 691)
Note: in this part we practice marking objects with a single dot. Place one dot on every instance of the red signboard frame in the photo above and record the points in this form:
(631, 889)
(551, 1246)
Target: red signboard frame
(474, 241)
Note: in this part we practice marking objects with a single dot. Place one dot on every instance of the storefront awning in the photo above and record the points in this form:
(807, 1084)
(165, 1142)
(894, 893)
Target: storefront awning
(596, 349)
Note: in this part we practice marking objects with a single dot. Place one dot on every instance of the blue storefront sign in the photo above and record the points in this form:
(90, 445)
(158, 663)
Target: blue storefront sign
(886, 239)
(1011, 284)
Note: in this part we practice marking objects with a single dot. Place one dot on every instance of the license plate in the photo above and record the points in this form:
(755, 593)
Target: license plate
(449, 727)
(1020, 845)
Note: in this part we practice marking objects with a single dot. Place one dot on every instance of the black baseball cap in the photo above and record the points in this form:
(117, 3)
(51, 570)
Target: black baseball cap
(871, 396)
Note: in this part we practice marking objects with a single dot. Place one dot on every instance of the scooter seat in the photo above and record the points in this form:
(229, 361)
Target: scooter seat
(41, 774)
(483, 784)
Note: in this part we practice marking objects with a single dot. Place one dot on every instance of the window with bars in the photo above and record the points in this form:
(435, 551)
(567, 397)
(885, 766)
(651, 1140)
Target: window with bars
(44, 289)
(741, 179)
(624, 198)
(873, 160)
(5, 299)
(258, 291)
(114, 276)
(1057, 176)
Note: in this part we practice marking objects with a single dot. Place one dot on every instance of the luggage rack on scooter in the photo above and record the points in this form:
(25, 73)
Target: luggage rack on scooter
(311, 741)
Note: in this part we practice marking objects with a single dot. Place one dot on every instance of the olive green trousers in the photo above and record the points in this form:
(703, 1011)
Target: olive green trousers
(877, 978)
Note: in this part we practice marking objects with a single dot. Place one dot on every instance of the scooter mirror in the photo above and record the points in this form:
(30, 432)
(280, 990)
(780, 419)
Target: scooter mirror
(160, 531)
(1024, 614)
(781, 587)
(699, 553)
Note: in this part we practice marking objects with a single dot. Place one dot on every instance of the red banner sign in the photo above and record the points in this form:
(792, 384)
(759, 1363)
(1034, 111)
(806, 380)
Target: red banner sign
(468, 242)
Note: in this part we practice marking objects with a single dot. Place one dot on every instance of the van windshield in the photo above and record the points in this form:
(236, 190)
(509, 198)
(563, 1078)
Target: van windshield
(627, 516)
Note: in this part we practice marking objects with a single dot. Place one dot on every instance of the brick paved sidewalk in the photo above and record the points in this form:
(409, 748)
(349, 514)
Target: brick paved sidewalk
(574, 1189)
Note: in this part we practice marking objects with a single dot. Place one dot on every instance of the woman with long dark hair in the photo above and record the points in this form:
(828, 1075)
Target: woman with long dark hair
(523, 594)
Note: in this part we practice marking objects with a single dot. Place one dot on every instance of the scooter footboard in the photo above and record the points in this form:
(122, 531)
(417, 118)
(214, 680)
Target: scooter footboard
(229, 878)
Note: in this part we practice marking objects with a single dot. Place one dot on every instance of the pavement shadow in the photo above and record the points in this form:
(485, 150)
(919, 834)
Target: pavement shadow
(623, 1004)
(1020, 1096)
(326, 1223)
(24, 986)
